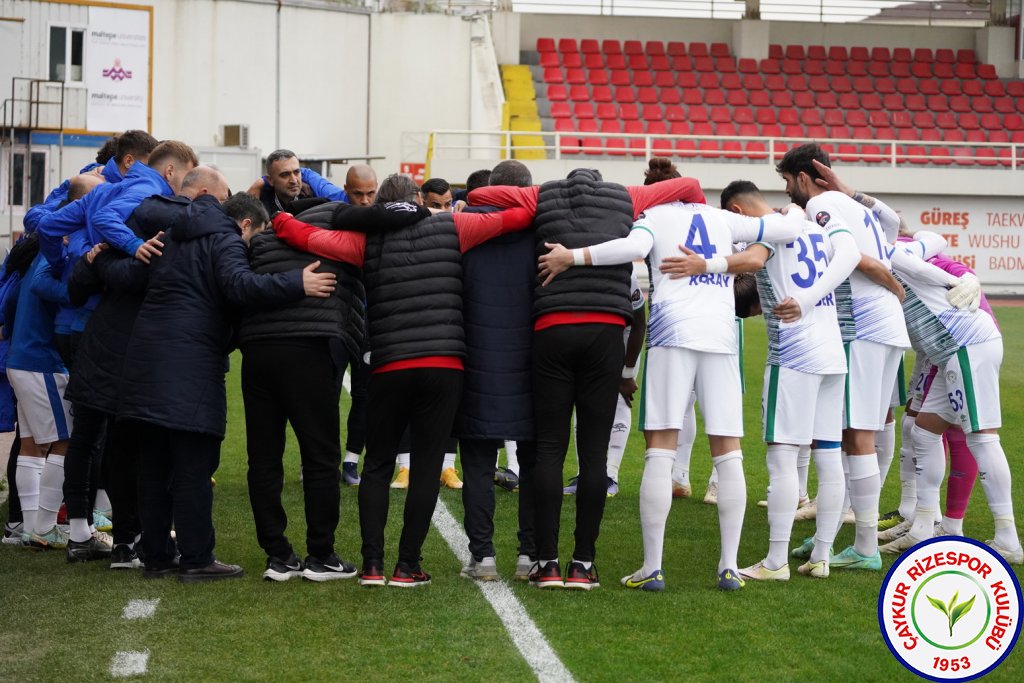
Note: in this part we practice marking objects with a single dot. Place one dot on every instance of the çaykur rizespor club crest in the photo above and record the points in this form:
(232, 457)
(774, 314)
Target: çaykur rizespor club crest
(117, 72)
(949, 609)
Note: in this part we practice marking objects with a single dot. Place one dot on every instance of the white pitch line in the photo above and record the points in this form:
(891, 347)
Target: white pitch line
(140, 609)
(527, 638)
(126, 664)
(346, 382)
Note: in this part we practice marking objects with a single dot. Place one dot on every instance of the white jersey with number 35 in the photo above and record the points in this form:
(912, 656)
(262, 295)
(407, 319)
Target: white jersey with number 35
(877, 313)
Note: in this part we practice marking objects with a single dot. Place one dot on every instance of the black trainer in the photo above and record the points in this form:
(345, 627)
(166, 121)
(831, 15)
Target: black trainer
(547, 576)
(506, 479)
(580, 578)
(282, 570)
(409, 576)
(123, 556)
(329, 569)
(372, 574)
(95, 548)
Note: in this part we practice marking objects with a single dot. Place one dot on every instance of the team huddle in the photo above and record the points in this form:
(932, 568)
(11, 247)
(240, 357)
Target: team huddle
(511, 319)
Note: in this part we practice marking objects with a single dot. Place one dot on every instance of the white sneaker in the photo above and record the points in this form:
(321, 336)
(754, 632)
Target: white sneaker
(808, 509)
(940, 530)
(898, 546)
(901, 529)
(818, 570)
(1011, 556)
(758, 572)
(711, 497)
(484, 570)
(523, 566)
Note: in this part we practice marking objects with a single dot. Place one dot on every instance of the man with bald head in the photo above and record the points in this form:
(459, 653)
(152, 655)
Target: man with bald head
(361, 185)
(120, 281)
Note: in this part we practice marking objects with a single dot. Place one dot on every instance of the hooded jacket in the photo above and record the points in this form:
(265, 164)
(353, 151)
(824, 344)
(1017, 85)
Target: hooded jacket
(176, 359)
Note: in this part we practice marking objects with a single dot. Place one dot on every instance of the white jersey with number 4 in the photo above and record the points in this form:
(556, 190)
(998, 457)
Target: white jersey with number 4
(877, 313)
(698, 312)
(812, 344)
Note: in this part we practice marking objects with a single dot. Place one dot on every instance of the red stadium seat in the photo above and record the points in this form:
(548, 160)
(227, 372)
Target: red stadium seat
(837, 53)
(557, 93)
(997, 135)
(731, 82)
(795, 52)
(880, 54)
(566, 125)
(863, 85)
(660, 63)
(753, 82)
(885, 133)
(628, 112)
(940, 156)
(1005, 105)
(593, 60)
(902, 119)
(567, 45)
(580, 93)
(699, 50)
(987, 72)
(569, 144)
(907, 134)
(923, 54)
(756, 151)
(774, 82)
(968, 121)
(915, 103)
(885, 86)
(902, 54)
(553, 76)
(924, 120)
(835, 68)
(654, 48)
(788, 117)
(938, 103)
(982, 105)
(856, 118)
(682, 63)
(765, 116)
(549, 60)
(907, 86)
(879, 119)
(685, 148)
(965, 71)
(602, 93)
(698, 114)
(693, 96)
(687, 79)
(951, 87)
(945, 120)
(1015, 89)
(794, 131)
(674, 113)
(703, 64)
(782, 99)
(893, 102)
(646, 95)
(873, 154)
(796, 84)
(976, 135)
(966, 56)
(633, 47)
(642, 79)
(791, 67)
(944, 56)
(572, 60)
(575, 77)
(589, 46)
(986, 156)
(859, 54)
(725, 128)
(953, 135)
(703, 128)
(931, 134)
(545, 45)
(560, 110)
(964, 156)
(637, 62)
(878, 69)
(747, 66)
(771, 130)
(816, 52)
(719, 49)
(849, 100)
(615, 147)
(819, 84)
(586, 126)
(725, 65)
(827, 100)
(921, 70)
(994, 89)
(708, 81)
(743, 115)
(591, 146)
(611, 126)
(676, 49)
(770, 66)
(708, 149)
(914, 154)
(760, 98)
(583, 110)
(775, 52)
(804, 100)
(721, 115)
(870, 101)
(597, 77)
(624, 94)
(652, 112)
(665, 79)
(679, 128)
(1013, 122)
(607, 110)
(943, 70)
(900, 69)
(928, 86)
(814, 68)
(661, 148)
(841, 85)
(617, 62)
(737, 98)
(669, 96)
(834, 117)
(810, 117)
(847, 153)
(974, 88)
(960, 103)
(749, 130)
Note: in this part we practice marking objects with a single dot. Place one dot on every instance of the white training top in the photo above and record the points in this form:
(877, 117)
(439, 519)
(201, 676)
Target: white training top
(877, 314)
(812, 344)
(696, 312)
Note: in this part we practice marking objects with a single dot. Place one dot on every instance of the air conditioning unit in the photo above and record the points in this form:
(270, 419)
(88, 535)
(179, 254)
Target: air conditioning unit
(235, 135)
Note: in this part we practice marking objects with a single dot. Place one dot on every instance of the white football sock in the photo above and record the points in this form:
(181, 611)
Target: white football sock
(79, 529)
(403, 459)
(865, 487)
(713, 479)
(102, 501)
(885, 445)
(619, 437)
(846, 490)
(783, 497)
(655, 503)
(351, 457)
(27, 475)
(953, 525)
(449, 461)
(803, 467)
(994, 473)
(51, 493)
(828, 462)
(908, 473)
(931, 467)
(732, 503)
(511, 457)
(684, 446)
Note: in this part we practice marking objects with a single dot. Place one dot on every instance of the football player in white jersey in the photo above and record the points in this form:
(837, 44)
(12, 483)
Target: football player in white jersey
(873, 356)
(692, 346)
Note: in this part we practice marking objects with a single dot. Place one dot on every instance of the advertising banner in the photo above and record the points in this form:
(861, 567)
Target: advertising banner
(117, 69)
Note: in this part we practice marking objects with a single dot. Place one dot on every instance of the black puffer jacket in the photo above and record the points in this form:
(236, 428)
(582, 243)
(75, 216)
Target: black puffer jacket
(122, 281)
(413, 279)
(177, 356)
(340, 316)
(579, 212)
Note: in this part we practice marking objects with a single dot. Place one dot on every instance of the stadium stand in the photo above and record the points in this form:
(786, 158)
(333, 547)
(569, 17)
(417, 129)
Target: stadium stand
(926, 106)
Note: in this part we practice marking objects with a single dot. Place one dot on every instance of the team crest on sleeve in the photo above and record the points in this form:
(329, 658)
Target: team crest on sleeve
(637, 296)
(823, 218)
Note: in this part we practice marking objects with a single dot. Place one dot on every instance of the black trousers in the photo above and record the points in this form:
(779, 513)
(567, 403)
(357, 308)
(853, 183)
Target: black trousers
(297, 382)
(478, 459)
(526, 452)
(84, 459)
(121, 468)
(359, 379)
(426, 399)
(574, 366)
(174, 487)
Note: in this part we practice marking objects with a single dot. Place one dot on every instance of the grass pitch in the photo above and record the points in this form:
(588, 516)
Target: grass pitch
(63, 622)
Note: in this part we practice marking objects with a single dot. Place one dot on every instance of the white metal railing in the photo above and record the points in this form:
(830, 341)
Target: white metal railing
(975, 12)
(457, 144)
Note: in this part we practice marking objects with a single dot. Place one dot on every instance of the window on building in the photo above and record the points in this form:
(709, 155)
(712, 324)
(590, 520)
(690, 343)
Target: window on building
(17, 197)
(67, 47)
